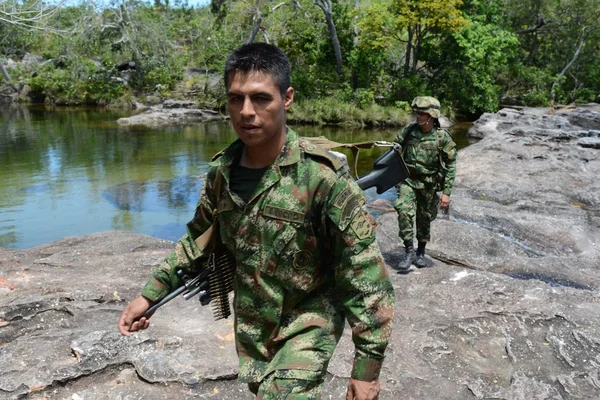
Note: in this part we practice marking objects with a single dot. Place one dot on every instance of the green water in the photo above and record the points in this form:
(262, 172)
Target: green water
(70, 172)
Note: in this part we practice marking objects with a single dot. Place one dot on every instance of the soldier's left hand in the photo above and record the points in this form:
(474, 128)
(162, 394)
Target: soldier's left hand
(362, 390)
(444, 202)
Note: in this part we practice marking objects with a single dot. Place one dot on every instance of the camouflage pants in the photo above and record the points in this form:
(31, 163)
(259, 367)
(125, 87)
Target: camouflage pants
(421, 203)
(276, 388)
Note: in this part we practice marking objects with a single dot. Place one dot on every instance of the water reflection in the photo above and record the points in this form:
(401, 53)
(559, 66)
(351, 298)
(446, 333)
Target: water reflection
(154, 196)
(66, 172)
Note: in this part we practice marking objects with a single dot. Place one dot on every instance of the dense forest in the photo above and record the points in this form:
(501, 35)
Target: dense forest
(347, 55)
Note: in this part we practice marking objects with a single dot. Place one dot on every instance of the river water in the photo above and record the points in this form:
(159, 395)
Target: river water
(75, 171)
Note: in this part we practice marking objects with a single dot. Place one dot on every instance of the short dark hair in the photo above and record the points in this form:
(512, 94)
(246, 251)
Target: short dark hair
(260, 57)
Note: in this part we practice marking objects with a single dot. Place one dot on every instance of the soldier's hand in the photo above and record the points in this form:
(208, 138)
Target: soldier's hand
(132, 318)
(362, 390)
(444, 202)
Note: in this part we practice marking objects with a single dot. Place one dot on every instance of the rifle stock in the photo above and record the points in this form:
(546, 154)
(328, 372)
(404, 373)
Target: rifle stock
(389, 170)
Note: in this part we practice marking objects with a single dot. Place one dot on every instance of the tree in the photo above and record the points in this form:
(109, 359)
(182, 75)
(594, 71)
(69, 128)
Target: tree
(559, 43)
(327, 8)
(567, 67)
(465, 66)
(421, 19)
(27, 16)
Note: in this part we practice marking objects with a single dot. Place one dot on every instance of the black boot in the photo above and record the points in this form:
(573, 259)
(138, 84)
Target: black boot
(421, 261)
(409, 257)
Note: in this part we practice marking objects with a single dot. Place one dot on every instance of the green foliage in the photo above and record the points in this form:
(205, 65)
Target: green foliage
(361, 98)
(332, 111)
(159, 74)
(81, 82)
(528, 85)
(584, 95)
(308, 47)
(403, 105)
(550, 32)
(468, 64)
(437, 15)
(409, 87)
(468, 53)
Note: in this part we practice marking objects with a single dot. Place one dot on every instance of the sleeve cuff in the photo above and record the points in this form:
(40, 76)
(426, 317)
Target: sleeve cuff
(447, 192)
(366, 369)
(154, 290)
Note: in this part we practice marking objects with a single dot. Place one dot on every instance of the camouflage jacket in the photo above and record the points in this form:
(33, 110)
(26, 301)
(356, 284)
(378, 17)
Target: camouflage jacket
(422, 154)
(306, 259)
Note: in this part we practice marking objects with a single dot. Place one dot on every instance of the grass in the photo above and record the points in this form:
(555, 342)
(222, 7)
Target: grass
(330, 111)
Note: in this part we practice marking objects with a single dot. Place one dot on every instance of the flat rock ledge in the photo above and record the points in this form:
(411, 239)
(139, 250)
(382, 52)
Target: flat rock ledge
(509, 309)
(172, 112)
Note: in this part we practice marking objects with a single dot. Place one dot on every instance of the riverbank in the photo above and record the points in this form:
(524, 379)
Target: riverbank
(510, 308)
(317, 112)
(199, 96)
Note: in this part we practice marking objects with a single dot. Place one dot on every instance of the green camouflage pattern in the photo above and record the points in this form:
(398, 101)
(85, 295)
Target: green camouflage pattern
(427, 104)
(421, 203)
(306, 259)
(277, 386)
(417, 197)
(422, 153)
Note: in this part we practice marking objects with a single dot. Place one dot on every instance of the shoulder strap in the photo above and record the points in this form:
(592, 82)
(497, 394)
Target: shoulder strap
(438, 142)
(409, 129)
(208, 238)
(321, 146)
(321, 151)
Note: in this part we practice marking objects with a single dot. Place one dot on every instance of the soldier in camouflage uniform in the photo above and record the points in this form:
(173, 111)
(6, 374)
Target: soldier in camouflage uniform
(430, 155)
(304, 244)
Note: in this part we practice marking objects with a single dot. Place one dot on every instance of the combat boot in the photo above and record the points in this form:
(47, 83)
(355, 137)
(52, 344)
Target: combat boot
(421, 261)
(409, 256)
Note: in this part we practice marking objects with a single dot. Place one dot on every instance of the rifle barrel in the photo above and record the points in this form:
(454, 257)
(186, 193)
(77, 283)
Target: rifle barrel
(165, 300)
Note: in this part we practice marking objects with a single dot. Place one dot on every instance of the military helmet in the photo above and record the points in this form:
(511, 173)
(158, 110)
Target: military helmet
(426, 104)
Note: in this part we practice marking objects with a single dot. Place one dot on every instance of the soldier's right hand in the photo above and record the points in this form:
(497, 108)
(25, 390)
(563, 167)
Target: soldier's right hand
(132, 318)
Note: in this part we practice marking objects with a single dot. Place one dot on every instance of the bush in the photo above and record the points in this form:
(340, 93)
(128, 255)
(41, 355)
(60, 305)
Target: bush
(583, 96)
(332, 111)
(158, 74)
(78, 82)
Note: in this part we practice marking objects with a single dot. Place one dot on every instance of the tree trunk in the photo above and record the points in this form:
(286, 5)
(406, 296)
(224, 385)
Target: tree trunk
(7, 78)
(567, 67)
(408, 51)
(335, 42)
(258, 17)
(418, 38)
(325, 5)
(355, 43)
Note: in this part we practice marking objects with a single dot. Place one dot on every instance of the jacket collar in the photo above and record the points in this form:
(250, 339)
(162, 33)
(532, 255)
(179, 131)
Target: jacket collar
(290, 152)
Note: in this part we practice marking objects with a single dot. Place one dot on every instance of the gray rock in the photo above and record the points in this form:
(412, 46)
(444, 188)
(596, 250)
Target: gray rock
(9, 63)
(31, 61)
(508, 310)
(169, 104)
(172, 112)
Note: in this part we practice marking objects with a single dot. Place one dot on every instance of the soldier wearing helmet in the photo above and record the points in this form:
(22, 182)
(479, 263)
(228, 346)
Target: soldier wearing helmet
(430, 155)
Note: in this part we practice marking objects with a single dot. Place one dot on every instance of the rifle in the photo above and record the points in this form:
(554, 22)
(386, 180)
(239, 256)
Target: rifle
(215, 279)
(212, 285)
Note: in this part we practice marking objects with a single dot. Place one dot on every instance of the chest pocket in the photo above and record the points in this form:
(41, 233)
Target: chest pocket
(424, 153)
(294, 256)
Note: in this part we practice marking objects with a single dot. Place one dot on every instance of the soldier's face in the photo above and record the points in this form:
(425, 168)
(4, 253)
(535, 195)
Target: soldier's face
(256, 107)
(424, 120)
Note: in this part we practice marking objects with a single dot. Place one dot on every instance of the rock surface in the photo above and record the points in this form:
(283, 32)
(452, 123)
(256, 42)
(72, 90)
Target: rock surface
(510, 308)
(172, 112)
